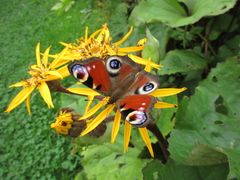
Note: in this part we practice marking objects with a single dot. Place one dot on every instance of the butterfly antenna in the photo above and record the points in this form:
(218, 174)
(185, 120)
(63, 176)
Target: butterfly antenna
(162, 142)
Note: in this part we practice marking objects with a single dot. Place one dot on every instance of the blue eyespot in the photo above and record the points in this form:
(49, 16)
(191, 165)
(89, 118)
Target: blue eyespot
(113, 64)
(147, 88)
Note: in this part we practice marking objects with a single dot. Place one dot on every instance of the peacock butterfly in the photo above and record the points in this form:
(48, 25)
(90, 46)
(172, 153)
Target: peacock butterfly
(124, 81)
(127, 85)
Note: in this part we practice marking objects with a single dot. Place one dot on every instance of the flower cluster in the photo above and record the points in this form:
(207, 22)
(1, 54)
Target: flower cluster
(46, 74)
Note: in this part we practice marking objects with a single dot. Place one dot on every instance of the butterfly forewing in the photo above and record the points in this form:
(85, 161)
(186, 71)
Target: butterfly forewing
(92, 73)
(144, 83)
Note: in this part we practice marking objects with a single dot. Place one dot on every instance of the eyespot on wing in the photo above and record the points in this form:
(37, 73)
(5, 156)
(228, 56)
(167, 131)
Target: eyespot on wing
(135, 109)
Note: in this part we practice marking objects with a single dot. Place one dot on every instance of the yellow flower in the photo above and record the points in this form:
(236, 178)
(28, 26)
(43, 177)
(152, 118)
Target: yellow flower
(41, 74)
(99, 44)
(63, 122)
(67, 123)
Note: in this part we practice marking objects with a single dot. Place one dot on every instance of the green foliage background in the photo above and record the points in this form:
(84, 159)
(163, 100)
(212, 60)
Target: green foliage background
(198, 42)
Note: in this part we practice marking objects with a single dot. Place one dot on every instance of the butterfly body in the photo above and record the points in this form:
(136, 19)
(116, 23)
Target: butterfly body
(124, 81)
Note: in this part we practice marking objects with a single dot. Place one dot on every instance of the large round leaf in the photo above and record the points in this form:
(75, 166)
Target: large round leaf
(107, 161)
(155, 171)
(180, 61)
(173, 14)
(207, 125)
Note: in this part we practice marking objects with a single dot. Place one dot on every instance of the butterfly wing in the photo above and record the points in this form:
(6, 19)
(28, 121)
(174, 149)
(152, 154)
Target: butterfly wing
(135, 108)
(111, 76)
(92, 73)
(144, 83)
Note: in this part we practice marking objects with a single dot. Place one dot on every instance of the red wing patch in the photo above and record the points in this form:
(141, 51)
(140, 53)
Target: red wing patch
(99, 75)
(134, 109)
(137, 102)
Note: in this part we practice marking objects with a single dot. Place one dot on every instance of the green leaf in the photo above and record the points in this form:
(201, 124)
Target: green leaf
(108, 161)
(209, 121)
(76, 102)
(151, 48)
(179, 61)
(165, 117)
(156, 171)
(161, 33)
(230, 48)
(173, 14)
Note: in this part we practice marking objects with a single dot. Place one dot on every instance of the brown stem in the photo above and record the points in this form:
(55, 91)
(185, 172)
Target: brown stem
(161, 140)
(109, 119)
(207, 45)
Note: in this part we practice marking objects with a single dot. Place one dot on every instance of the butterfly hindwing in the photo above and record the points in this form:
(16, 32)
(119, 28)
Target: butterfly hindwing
(135, 109)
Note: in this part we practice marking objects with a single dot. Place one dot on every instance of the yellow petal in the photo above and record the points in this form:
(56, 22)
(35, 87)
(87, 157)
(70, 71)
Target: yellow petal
(63, 71)
(116, 126)
(95, 122)
(64, 61)
(95, 33)
(95, 108)
(18, 84)
(59, 61)
(131, 49)
(110, 50)
(45, 93)
(55, 74)
(148, 66)
(38, 55)
(164, 105)
(83, 91)
(107, 35)
(100, 37)
(28, 105)
(124, 38)
(127, 135)
(90, 100)
(52, 55)
(142, 42)
(104, 35)
(140, 60)
(20, 97)
(86, 33)
(65, 44)
(45, 56)
(167, 92)
(146, 139)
